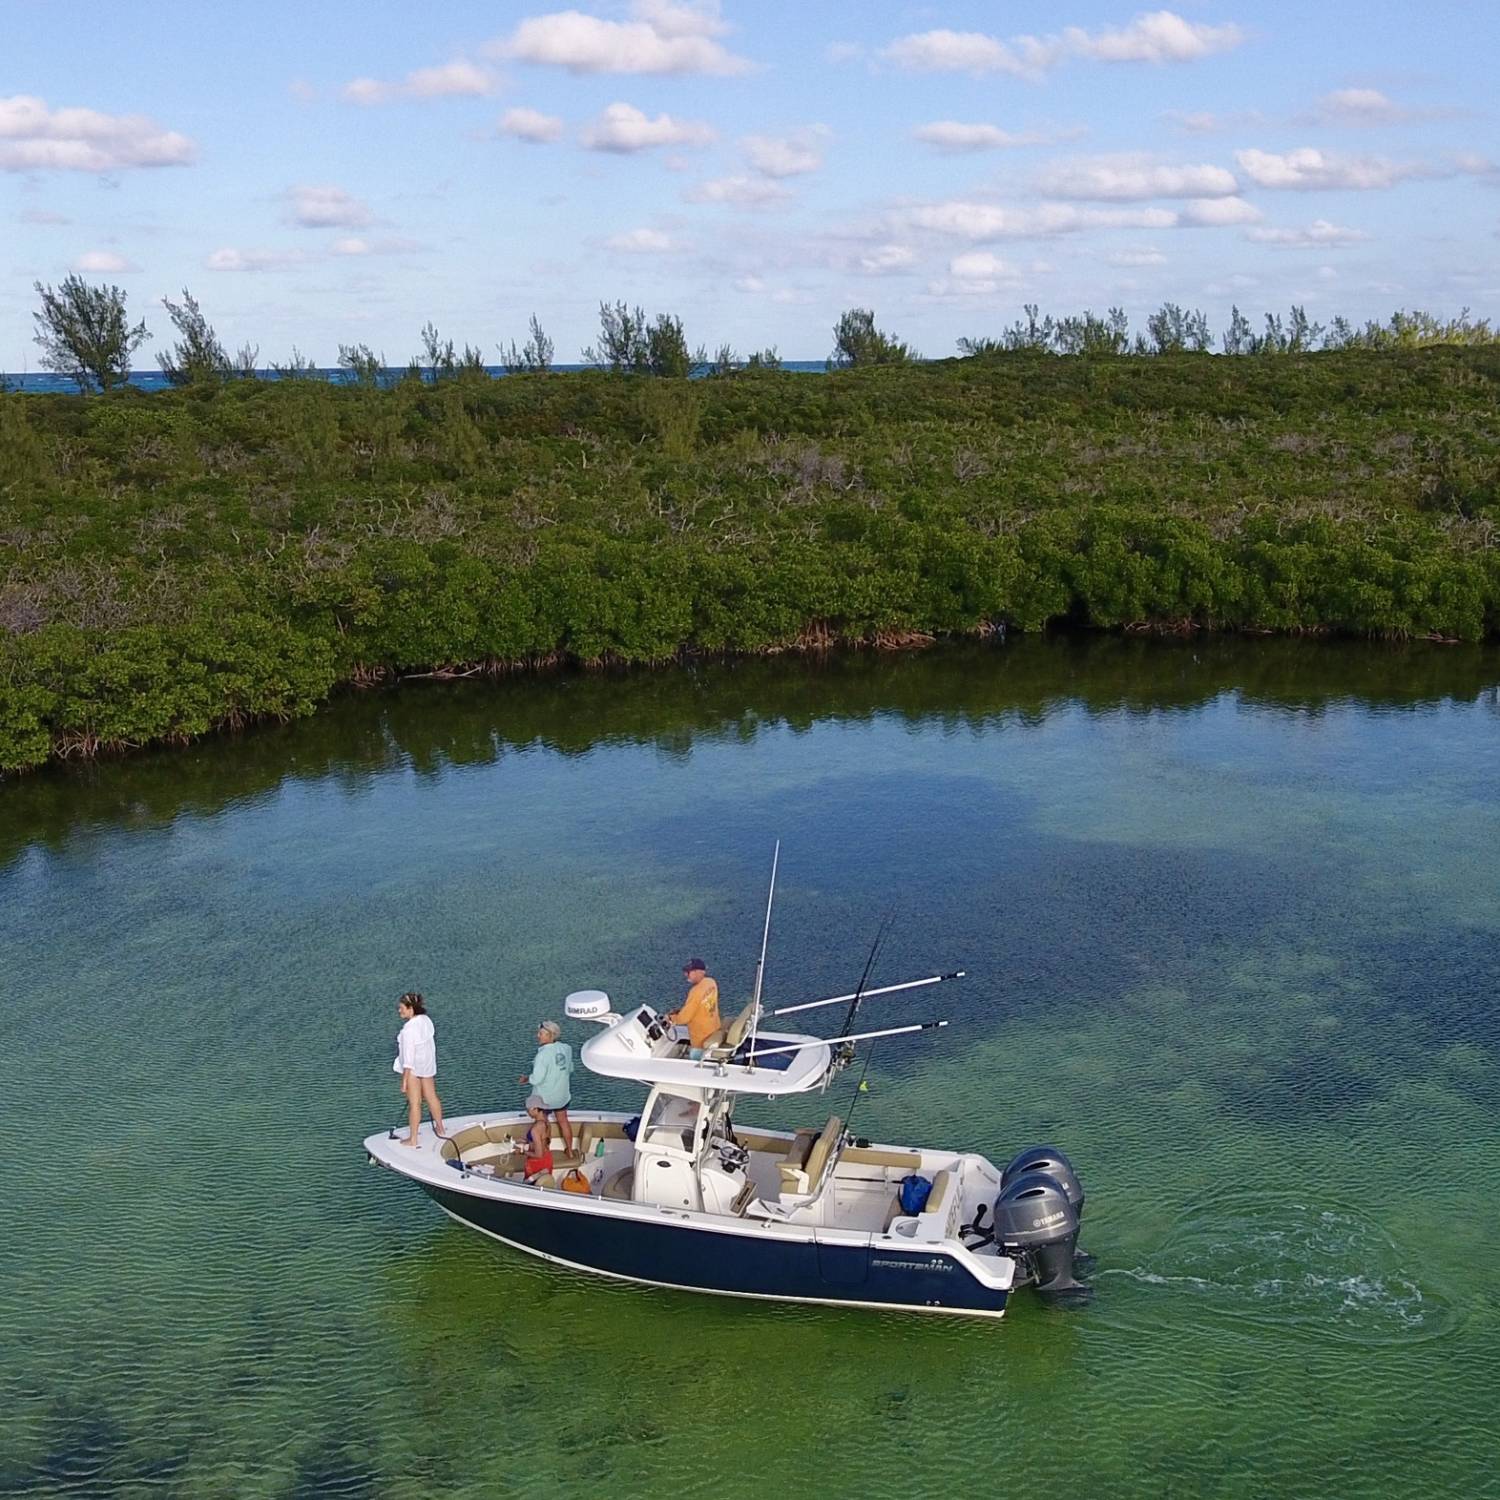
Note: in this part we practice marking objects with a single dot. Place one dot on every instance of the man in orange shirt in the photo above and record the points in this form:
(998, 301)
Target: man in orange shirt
(700, 1011)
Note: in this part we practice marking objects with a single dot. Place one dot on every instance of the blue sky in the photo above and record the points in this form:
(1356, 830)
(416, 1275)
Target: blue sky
(339, 172)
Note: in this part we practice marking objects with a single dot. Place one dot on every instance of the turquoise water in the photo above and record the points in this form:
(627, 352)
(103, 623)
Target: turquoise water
(1230, 916)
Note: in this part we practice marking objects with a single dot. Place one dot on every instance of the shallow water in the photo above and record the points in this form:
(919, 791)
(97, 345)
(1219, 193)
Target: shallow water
(1230, 916)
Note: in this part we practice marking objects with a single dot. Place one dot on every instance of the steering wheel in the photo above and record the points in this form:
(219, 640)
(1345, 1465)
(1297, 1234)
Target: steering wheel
(732, 1156)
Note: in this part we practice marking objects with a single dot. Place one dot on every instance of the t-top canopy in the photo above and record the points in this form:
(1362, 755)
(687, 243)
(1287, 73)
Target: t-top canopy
(641, 1046)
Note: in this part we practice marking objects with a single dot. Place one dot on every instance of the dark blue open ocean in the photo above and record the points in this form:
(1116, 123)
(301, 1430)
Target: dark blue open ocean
(154, 380)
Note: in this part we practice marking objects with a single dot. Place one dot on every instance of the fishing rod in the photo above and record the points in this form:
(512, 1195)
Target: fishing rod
(863, 1036)
(888, 989)
(760, 967)
(864, 1072)
(864, 978)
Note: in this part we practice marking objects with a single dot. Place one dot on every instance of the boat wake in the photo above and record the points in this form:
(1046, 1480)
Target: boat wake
(1275, 1261)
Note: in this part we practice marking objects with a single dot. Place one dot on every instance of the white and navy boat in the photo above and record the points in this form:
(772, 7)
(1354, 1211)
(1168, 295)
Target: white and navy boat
(679, 1196)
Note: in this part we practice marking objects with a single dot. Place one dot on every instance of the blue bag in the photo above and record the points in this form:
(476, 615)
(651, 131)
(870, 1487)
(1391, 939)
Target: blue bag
(914, 1190)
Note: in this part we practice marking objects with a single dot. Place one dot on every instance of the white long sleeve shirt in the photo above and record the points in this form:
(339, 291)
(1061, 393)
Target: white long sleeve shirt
(416, 1048)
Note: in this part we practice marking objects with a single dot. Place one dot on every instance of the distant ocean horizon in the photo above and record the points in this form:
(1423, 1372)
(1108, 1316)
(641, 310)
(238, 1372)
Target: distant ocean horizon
(45, 383)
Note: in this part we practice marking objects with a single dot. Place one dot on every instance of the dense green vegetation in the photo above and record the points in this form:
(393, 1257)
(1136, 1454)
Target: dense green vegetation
(183, 560)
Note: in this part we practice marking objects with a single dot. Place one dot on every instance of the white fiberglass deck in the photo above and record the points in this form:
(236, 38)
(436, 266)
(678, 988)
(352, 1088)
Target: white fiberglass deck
(856, 1190)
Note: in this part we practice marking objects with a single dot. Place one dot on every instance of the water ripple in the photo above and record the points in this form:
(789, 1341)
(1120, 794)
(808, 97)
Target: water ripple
(1281, 1262)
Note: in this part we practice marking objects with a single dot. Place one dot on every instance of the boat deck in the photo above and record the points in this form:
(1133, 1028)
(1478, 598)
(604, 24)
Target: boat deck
(854, 1189)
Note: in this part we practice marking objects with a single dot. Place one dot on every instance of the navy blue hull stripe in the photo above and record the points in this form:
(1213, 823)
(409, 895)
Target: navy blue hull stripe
(700, 1260)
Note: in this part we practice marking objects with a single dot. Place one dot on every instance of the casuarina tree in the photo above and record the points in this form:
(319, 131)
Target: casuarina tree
(857, 341)
(533, 357)
(197, 354)
(83, 333)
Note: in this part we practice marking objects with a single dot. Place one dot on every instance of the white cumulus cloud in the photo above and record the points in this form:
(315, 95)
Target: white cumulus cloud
(1159, 36)
(622, 128)
(884, 260)
(1129, 178)
(1361, 107)
(531, 125)
(786, 155)
(1320, 233)
(1216, 213)
(661, 37)
(457, 79)
(1206, 122)
(1200, 122)
(978, 221)
(34, 138)
(104, 263)
(1308, 168)
(739, 192)
(642, 242)
(955, 135)
(326, 207)
(945, 51)
(982, 265)
(231, 259)
(357, 245)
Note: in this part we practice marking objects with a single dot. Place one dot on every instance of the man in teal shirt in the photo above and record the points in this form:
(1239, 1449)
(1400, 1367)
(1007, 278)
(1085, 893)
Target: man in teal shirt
(551, 1089)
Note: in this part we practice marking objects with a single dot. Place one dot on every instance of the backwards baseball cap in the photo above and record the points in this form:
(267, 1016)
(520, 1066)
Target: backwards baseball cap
(694, 963)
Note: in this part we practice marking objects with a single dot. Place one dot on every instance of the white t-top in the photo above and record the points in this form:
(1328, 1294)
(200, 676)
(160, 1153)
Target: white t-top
(416, 1048)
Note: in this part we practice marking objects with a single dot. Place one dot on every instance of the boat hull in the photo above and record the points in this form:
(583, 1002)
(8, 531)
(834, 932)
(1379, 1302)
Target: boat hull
(693, 1256)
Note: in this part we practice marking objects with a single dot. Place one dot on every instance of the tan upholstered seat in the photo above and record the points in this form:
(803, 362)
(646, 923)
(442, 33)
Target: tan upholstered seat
(793, 1166)
(590, 1135)
(715, 1040)
(739, 1028)
(465, 1141)
(937, 1199)
(797, 1153)
(873, 1156)
(823, 1148)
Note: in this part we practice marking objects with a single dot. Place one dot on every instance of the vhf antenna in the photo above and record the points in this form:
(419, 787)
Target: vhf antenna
(760, 967)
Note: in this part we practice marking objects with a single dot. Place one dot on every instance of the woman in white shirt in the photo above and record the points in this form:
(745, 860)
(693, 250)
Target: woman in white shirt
(416, 1062)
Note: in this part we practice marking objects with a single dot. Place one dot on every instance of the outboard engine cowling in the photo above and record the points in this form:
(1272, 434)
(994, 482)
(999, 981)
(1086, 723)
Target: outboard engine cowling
(1055, 1164)
(1035, 1222)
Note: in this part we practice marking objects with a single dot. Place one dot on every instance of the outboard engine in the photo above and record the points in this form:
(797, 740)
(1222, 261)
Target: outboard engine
(1050, 1160)
(1037, 1224)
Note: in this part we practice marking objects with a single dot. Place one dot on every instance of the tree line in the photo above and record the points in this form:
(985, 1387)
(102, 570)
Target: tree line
(85, 334)
(235, 549)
